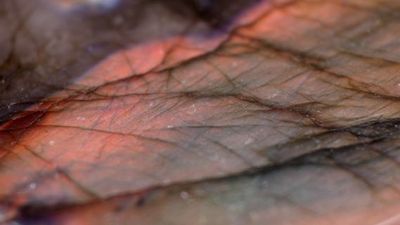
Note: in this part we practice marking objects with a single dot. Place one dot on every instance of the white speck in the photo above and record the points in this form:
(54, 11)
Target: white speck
(194, 109)
(32, 186)
(80, 118)
(166, 181)
(274, 95)
(151, 104)
(265, 183)
(249, 141)
(52, 142)
(118, 20)
(184, 195)
(215, 157)
(317, 141)
(170, 126)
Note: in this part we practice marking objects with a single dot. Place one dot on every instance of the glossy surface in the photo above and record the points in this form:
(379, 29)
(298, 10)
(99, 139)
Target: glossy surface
(182, 112)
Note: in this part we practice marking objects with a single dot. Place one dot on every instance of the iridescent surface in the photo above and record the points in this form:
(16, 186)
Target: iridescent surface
(199, 112)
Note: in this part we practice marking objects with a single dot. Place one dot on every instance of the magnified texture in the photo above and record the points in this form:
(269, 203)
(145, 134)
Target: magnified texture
(199, 112)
